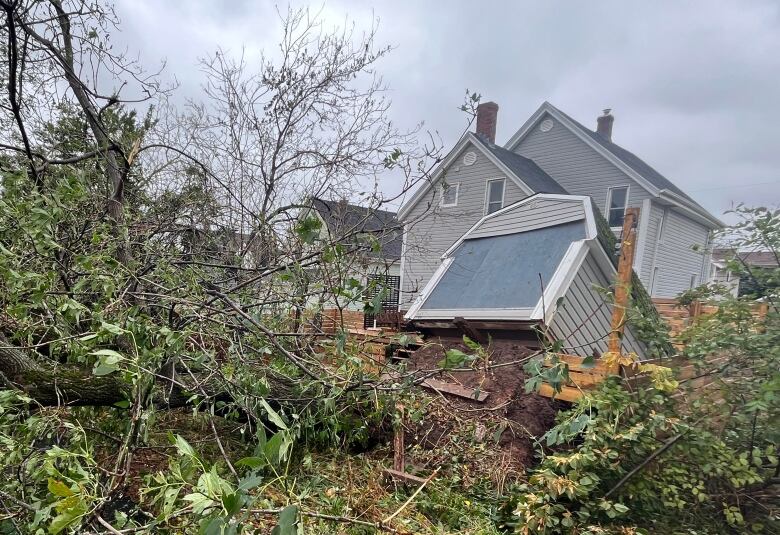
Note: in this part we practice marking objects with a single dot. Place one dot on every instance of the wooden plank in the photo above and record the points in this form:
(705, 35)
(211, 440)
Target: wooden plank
(399, 460)
(585, 379)
(456, 390)
(567, 393)
(403, 476)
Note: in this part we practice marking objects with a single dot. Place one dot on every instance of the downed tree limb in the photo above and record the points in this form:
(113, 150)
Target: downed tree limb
(53, 385)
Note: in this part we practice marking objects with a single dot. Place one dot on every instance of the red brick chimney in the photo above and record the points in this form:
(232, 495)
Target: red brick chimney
(604, 124)
(487, 115)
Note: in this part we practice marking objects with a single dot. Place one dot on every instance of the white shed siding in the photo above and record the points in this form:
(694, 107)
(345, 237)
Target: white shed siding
(532, 215)
(675, 259)
(431, 229)
(575, 165)
(584, 319)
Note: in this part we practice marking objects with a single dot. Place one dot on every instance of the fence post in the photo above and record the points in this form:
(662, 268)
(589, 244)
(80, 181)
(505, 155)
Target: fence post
(623, 280)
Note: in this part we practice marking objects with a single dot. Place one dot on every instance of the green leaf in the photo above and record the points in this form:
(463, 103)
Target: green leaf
(273, 415)
(124, 404)
(110, 327)
(58, 488)
(471, 344)
(287, 519)
(183, 446)
(454, 358)
(588, 362)
(251, 462)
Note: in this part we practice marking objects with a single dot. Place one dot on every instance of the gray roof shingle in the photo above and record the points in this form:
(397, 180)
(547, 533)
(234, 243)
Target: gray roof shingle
(525, 169)
(343, 218)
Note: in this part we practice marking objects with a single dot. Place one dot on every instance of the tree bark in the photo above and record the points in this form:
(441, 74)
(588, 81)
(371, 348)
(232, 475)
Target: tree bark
(52, 385)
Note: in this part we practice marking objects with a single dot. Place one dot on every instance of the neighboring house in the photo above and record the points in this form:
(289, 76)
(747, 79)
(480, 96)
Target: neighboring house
(378, 235)
(720, 273)
(491, 278)
(553, 153)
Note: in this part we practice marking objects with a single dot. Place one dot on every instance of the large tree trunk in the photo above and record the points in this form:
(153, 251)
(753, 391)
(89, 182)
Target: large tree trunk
(52, 385)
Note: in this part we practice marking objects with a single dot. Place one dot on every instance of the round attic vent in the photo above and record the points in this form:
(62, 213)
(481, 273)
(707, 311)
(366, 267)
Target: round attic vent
(469, 158)
(546, 125)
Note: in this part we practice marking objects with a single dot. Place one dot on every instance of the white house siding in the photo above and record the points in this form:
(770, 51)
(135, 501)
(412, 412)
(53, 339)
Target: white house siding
(584, 319)
(431, 229)
(674, 259)
(532, 215)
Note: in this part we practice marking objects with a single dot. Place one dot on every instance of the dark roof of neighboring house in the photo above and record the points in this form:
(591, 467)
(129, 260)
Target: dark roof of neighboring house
(343, 218)
(751, 258)
(632, 160)
(525, 169)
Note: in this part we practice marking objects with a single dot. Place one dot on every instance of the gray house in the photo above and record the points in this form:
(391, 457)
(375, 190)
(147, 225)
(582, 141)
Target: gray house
(536, 262)
(553, 153)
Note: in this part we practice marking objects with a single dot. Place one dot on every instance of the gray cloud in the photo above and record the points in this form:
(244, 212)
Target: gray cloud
(693, 85)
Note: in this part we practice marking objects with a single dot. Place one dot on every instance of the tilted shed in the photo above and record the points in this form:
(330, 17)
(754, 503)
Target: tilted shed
(534, 266)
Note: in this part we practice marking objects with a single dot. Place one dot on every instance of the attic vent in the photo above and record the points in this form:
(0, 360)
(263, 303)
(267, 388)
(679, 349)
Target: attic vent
(469, 158)
(546, 125)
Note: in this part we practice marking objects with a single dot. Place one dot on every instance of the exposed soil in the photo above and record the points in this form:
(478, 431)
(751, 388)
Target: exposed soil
(506, 423)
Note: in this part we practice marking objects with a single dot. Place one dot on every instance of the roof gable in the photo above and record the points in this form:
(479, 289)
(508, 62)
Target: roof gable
(528, 176)
(633, 166)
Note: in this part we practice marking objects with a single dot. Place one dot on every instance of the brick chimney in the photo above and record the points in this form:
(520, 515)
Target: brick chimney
(604, 124)
(487, 115)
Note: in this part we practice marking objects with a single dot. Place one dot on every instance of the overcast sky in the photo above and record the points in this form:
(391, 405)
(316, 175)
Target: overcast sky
(693, 85)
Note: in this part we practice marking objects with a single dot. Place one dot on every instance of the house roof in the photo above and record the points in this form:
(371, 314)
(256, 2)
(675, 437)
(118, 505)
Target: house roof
(751, 258)
(632, 160)
(655, 182)
(525, 169)
(343, 218)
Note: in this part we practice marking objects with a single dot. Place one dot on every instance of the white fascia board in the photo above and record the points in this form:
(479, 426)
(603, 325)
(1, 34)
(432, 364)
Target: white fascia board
(585, 200)
(428, 288)
(465, 140)
(697, 214)
(641, 237)
(560, 281)
(475, 314)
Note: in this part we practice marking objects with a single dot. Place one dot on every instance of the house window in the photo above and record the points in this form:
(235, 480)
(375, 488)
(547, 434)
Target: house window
(693, 281)
(617, 200)
(449, 194)
(495, 195)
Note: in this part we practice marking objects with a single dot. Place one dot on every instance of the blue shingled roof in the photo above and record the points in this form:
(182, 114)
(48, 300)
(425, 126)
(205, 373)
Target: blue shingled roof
(525, 169)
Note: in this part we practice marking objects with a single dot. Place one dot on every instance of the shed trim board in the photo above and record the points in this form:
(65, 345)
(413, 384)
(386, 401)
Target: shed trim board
(564, 274)
(668, 196)
(590, 221)
(469, 137)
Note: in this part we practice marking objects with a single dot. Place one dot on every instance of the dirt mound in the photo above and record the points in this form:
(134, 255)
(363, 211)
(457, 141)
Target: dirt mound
(506, 424)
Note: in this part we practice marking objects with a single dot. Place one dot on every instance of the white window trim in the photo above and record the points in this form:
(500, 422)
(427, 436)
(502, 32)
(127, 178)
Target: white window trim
(662, 226)
(609, 200)
(487, 193)
(457, 193)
